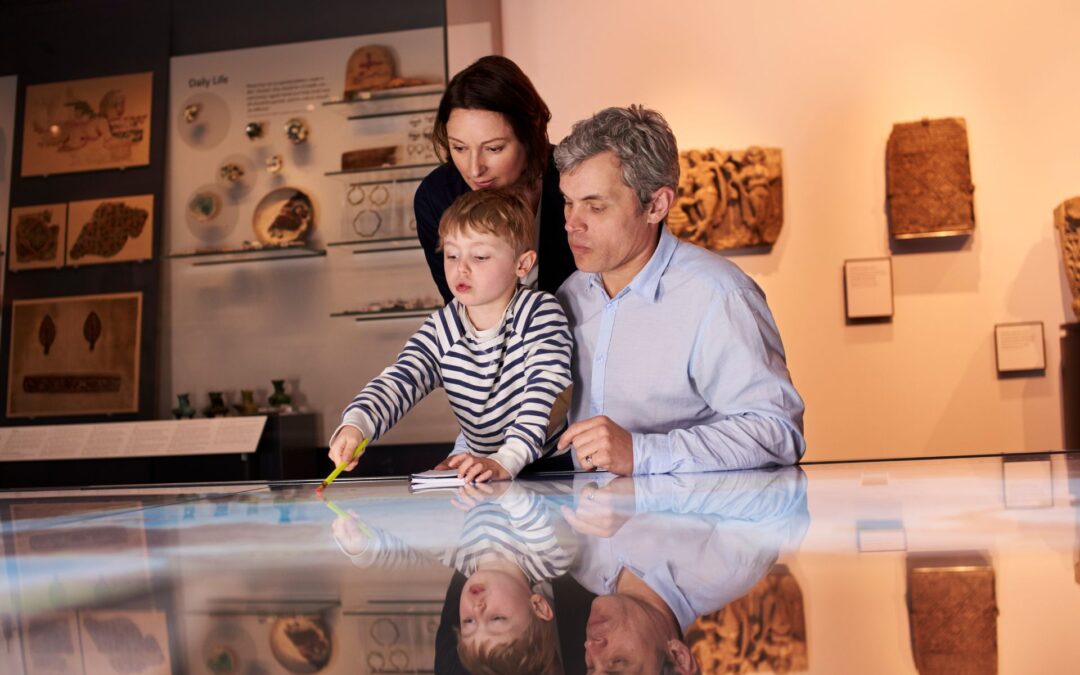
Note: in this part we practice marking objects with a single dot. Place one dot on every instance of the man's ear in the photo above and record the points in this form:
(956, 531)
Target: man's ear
(540, 607)
(661, 203)
(680, 655)
(525, 263)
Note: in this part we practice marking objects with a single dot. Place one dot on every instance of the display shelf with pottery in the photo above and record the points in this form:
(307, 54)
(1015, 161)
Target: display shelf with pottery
(282, 223)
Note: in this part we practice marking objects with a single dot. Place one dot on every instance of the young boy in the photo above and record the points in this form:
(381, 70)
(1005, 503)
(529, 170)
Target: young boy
(501, 351)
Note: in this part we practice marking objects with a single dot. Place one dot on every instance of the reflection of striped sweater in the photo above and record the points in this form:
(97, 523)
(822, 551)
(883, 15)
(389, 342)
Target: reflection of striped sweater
(518, 526)
(501, 382)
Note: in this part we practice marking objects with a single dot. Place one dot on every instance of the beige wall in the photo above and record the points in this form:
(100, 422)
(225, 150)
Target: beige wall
(825, 81)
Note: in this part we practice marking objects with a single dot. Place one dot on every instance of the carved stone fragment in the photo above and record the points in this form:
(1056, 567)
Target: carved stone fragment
(729, 199)
(928, 179)
(1067, 220)
(763, 631)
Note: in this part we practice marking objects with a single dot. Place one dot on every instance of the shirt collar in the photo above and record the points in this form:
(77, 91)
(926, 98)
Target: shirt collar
(646, 282)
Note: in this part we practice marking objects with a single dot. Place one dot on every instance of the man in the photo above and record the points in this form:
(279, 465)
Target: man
(678, 365)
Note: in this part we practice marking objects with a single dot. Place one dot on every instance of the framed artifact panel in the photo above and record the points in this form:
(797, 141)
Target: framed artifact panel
(117, 229)
(928, 180)
(87, 125)
(1020, 347)
(868, 288)
(37, 237)
(75, 355)
(51, 644)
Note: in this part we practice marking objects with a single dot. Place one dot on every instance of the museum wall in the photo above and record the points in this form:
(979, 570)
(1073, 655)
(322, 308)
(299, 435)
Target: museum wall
(825, 82)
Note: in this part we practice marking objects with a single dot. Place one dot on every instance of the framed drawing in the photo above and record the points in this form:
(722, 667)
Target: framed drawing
(1020, 347)
(130, 642)
(868, 288)
(76, 355)
(87, 125)
(118, 229)
(37, 237)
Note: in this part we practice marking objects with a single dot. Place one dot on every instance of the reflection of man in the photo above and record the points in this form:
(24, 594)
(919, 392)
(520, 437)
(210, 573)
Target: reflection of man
(681, 547)
(678, 365)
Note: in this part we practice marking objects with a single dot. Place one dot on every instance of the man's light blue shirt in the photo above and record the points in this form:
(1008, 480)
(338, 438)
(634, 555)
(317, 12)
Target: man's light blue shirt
(688, 359)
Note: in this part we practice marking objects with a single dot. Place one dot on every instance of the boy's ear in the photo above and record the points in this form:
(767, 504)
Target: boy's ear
(525, 263)
(540, 607)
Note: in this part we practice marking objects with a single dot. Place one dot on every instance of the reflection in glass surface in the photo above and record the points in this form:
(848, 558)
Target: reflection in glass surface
(884, 567)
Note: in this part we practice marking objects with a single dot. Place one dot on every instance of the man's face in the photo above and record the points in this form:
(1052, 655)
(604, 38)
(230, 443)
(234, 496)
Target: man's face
(606, 225)
(495, 609)
(624, 635)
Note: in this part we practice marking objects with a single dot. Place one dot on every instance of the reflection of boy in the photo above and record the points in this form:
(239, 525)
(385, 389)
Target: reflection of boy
(501, 352)
(510, 552)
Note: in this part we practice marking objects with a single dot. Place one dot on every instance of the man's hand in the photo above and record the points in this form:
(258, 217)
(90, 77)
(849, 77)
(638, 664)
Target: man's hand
(477, 469)
(344, 445)
(601, 444)
(602, 511)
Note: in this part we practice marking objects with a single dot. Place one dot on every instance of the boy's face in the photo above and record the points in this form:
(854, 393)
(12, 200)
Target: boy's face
(482, 271)
(497, 608)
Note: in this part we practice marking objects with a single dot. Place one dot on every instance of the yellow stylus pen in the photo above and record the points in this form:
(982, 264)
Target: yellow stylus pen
(341, 467)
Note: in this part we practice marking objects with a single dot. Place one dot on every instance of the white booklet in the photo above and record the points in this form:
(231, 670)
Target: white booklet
(436, 479)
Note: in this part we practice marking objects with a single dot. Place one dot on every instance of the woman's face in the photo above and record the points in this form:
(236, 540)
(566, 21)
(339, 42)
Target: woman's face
(484, 148)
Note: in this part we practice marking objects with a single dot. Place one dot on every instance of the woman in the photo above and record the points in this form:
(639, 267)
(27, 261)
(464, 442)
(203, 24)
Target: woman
(491, 131)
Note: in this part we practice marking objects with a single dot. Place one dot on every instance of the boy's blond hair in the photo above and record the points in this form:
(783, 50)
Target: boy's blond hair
(503, 212)
(535, 652)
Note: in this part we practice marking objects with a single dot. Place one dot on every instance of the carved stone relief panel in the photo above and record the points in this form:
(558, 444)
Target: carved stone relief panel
(1067, 220)
(729, 199)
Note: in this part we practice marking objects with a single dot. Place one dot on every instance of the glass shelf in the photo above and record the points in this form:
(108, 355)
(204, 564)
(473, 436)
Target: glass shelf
(375, 103)
(385, 314)
(246, 255)
(383, 245)
(383, 169)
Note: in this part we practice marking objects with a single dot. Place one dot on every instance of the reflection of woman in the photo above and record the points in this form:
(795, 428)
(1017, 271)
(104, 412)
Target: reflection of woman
(491, 131)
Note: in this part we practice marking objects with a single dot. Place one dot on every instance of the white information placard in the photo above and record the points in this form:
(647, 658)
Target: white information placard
(868, 288)
(1020, 347)
(216, 436)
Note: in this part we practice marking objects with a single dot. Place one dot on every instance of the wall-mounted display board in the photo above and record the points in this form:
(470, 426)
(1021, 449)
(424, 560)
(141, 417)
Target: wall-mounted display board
(868, 288)
(87, 125)
(1020, 347)
(255, 132)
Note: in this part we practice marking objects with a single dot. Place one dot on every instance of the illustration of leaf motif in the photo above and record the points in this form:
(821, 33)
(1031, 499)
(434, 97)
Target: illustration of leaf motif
(92, 329)
(47, 333)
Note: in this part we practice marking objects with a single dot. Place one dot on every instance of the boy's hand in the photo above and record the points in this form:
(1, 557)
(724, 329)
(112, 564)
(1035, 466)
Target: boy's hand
(344, 445)
(471, 496)
(348, 536)
(477, 469)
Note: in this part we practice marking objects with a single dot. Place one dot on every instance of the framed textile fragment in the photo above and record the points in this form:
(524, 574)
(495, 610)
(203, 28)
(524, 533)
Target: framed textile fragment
(928, 180)
(37, 237)
(76, 355)
(130, 642)
(111, 230)
(87, 125)
(729, 199)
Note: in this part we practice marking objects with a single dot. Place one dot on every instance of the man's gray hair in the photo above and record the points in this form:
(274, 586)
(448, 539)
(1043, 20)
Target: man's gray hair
(640, 138)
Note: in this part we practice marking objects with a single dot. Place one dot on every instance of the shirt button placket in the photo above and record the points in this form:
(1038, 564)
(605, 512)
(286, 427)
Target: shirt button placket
(600, 359)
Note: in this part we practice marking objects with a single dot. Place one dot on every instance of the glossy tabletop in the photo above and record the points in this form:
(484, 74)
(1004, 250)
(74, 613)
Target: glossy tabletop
(933, 566)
